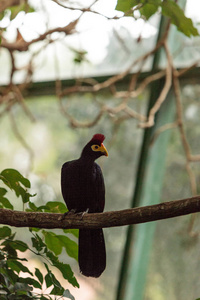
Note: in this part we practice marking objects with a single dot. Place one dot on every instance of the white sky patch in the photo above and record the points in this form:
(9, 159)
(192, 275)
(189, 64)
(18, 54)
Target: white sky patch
(93, 31)
(136, 27)
(193, 10)
(32, 26)
(107, 8)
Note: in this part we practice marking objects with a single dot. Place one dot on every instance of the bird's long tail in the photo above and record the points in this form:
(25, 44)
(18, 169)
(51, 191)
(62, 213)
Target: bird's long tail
(92, 252)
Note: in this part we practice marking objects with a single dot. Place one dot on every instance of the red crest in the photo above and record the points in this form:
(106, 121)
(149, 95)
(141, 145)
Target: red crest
(98, 137)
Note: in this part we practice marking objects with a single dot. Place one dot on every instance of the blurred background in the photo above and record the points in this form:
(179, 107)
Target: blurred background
(59, 61)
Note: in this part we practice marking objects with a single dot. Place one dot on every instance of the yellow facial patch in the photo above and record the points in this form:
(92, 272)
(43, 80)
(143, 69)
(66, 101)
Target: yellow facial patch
(101, 148)
(95, 147)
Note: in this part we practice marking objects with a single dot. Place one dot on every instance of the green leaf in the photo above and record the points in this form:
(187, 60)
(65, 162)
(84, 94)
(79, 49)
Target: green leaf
(5, 231)
(70, 246)
(37, 243)
(33, 207)
(39, 275)
(25, 195)
(18, 266)
(13, 176)
(47, 268)
(48, 280)
(56, 242)
(149, 9)
(31, 229)
(57, 291)
(67, 294)
(19, 245)
(52, 257)
(52, 242)
(55, 207)
(2, 192)
(75, 232)
(65, 269)
(2, 256)
(11, 252)
(67, 273)
(176, 14)
(10, 275)
(6, 203)
(44, 298)
(15, 181)
(30, 281)
(126, 5)
(169, 8)
(2, 14)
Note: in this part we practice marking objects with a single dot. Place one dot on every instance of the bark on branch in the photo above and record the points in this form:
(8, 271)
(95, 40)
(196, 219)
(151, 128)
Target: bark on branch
(138, 215)
(7, 3)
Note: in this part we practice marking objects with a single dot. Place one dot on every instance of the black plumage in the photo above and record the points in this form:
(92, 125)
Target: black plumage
(83, 190)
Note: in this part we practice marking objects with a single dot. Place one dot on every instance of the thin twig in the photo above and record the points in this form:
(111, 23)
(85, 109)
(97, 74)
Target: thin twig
(161, 130)
(107, 83)
(23, 45)
(22, 102)
(164, 92)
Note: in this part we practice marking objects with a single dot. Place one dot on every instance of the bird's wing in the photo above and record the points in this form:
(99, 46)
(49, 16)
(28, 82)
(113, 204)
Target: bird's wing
(68, 184)
(99, 189)
(83, 189)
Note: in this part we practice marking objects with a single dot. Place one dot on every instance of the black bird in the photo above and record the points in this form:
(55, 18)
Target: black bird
(83, 190)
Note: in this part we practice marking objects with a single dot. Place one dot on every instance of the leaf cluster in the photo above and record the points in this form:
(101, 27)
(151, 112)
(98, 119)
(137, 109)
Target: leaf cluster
(168, 8)
(16, 182)
(16, 280)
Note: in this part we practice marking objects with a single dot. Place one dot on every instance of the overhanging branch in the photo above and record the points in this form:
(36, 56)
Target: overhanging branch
(138, 215)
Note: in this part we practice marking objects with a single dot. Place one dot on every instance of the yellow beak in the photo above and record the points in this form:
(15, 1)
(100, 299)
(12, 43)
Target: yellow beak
(103, 149)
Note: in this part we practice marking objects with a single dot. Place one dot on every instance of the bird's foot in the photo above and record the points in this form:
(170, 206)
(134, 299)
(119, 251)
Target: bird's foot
(67, 213)
(82, 213)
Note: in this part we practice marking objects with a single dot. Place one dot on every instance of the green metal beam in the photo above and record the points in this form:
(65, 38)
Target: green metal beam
(156, 87)
(147, 192)
(150, 174)
(49, 87)
(149, 195)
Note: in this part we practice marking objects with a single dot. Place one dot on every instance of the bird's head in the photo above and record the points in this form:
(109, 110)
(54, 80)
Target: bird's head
(95, 148)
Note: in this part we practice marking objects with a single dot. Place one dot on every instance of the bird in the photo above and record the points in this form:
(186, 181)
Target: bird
(83, 190)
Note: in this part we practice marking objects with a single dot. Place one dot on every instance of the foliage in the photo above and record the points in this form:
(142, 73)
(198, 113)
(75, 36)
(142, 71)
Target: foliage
(16, 280)
(169, 8)
(15, 181)
(43, 242)
(79, 56)
(147, 8)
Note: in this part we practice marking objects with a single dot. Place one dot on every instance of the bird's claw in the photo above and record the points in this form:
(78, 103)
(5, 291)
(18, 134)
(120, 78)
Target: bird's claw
(67, 213)
(72, 212)
(82, 213)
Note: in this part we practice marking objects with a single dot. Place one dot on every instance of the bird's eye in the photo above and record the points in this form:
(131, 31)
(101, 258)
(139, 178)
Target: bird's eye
(95, 147)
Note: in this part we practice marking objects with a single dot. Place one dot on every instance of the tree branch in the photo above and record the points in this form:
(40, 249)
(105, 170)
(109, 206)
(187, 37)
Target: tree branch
(4, 4)
(22, 45)
(138, 215)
